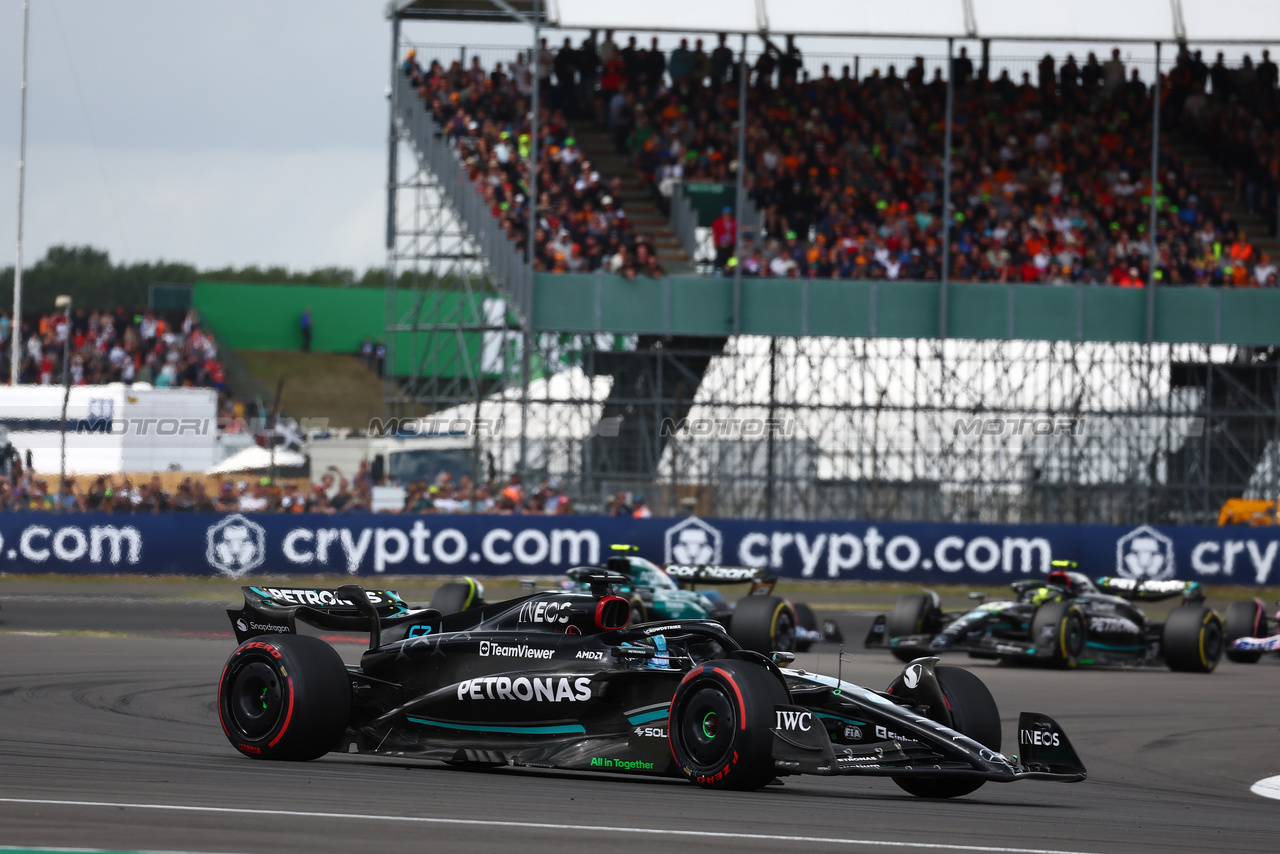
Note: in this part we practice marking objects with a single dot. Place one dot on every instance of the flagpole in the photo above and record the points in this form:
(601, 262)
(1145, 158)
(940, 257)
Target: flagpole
(15, 329)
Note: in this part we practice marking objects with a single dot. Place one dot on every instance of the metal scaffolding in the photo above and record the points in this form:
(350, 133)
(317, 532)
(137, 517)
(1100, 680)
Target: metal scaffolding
(807, 427)
(913, 429)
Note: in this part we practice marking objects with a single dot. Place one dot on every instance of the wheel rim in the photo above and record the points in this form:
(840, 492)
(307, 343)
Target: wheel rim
(1075, 637)
(707, 719)
(256, 699)
(784, 638)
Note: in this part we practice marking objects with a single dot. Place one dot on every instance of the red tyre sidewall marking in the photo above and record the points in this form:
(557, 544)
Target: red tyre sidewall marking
(288, 716)
(742, 706)
(221, 682)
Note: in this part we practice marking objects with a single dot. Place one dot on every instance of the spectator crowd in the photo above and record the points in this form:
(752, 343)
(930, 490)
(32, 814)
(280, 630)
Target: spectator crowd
(333, 494)
(1051, 176)
(119, 346)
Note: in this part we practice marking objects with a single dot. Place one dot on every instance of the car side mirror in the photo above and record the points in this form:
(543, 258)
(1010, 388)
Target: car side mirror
(783, 658)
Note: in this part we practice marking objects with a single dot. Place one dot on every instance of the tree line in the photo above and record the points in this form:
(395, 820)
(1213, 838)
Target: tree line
(94, 281)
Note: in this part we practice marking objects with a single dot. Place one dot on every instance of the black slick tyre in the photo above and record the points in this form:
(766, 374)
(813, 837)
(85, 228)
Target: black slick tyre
(1244, 620)
(973, 713)
(911, 615)
(284, 697)
(1061, 627)
(764, 624)
(719, 725)
(639, 613)
(455, 597)
(1192, 639)
(805, 619)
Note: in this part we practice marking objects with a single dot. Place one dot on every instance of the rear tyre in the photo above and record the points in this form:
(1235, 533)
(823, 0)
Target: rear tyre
(719, 725)
(284, 697)
(1244, 620)
(764, 624)
(639, 614)
(1192, 639)
(911, 615)
(973, 713)
(1060, 626)
(805, 619)
(456, 596)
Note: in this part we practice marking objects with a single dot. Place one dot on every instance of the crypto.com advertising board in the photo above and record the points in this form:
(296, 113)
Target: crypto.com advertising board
(238, 546)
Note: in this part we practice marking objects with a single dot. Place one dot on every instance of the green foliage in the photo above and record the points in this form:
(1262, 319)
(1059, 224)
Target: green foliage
(87, 274)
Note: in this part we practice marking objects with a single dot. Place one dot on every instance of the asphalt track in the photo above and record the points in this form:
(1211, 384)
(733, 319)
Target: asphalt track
(109, 739)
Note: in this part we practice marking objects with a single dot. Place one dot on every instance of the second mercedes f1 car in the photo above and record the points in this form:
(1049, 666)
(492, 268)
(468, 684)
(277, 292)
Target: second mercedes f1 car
(1065, 620)
(559, 679)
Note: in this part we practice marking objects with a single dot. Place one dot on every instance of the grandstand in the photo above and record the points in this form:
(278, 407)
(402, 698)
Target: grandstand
(828, 307)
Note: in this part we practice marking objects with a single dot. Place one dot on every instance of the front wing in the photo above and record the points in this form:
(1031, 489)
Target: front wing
(990, 646)
(894, 741)
(1271, 644)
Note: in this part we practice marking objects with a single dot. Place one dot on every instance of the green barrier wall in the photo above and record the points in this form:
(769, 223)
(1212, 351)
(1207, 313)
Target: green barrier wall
(265, 317)
(895, 309)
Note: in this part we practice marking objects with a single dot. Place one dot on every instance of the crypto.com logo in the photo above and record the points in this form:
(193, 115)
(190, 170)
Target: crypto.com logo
(1145, 554)
(693, 542)
(236, 545)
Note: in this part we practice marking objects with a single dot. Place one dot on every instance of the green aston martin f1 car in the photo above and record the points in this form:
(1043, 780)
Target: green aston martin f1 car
(759, 621)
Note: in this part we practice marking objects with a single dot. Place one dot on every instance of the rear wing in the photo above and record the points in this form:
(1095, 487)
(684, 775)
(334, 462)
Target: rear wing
(1136, 590)
(276, 610)
(761, 580)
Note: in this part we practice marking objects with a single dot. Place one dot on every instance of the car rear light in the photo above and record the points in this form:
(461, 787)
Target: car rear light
(612, 612)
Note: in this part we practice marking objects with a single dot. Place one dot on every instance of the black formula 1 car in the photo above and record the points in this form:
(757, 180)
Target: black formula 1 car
(1249, 634)
(1064, 620)
(758, 620)
(558, 679)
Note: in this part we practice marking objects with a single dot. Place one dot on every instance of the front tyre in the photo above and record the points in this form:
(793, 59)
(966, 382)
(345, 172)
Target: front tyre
(719, 725)
(973, 713)
(1244, 620)
(639, 613)
(1192, 639)
(764, 624)
(806, 619)
(1061, 628)
(284, 697)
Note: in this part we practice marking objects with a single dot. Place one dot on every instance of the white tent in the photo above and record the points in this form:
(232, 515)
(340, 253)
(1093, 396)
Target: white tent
(258, 459)
(1251, 21)
(1201, 21)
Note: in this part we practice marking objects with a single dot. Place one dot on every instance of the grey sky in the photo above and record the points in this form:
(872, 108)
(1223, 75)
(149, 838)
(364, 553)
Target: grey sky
(229, 133)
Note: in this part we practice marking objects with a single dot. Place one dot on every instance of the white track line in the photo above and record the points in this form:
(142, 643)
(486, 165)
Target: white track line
(534, 825)
(1268, 788)
(27, 848)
